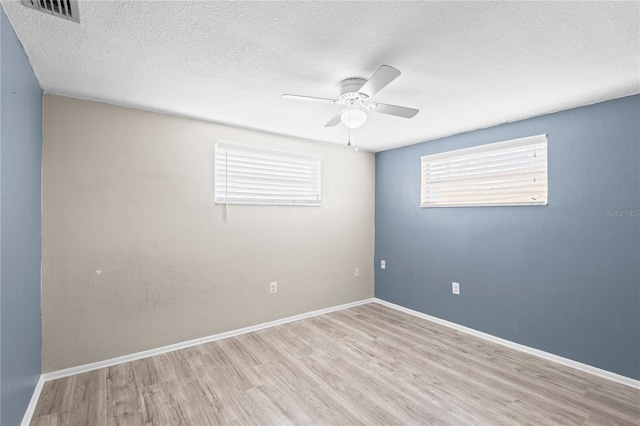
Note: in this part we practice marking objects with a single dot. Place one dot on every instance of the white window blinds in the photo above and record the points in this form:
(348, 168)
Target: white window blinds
(504, 173)
(252, 175)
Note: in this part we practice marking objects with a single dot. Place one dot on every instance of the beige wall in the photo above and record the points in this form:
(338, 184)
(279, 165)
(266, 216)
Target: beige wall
(136, 255)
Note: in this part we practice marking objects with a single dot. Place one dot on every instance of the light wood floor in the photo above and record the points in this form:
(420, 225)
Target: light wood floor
(365, 365)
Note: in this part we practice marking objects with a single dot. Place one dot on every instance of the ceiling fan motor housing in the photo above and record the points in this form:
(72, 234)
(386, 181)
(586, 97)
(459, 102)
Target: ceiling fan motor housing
(349, 90)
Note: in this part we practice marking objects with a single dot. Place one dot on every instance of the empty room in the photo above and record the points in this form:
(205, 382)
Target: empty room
(319, 213)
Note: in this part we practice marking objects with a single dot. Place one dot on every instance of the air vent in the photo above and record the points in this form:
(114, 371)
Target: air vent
(67, 9)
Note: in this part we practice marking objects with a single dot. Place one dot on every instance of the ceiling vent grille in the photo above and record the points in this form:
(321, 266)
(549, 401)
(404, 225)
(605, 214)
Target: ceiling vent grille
(67, 9)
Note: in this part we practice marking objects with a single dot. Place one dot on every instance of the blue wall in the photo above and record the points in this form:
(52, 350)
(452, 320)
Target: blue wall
(20, 224)
(563, 278)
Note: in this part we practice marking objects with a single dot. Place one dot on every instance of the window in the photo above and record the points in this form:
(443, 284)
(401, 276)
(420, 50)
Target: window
(252, 175)
(498, 174)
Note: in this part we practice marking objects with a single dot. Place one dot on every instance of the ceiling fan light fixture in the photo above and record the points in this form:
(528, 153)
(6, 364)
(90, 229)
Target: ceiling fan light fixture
(353, 118)
(355, 95)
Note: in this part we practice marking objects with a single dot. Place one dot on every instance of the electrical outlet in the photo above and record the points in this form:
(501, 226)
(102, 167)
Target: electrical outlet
(455, 288)
(357, 272)
(383, 264)
(273, 287)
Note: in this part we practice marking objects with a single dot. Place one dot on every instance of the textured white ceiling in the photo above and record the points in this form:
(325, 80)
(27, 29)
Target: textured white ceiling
(465, 65)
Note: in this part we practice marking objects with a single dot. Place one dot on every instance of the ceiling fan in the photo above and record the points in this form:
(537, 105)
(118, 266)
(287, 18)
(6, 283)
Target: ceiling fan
(355, 95)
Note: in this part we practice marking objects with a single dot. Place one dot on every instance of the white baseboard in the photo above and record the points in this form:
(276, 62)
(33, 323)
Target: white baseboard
(164, 349)
(522, 348)
(31, 408)
(169, 348)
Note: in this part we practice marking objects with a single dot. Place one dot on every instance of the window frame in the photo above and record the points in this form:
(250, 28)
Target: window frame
(539, 142)
(297, 161)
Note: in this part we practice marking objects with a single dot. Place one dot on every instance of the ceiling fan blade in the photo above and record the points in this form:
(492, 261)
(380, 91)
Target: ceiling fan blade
(309, 98)
(395, 110)
(379, 80)
(334, 121)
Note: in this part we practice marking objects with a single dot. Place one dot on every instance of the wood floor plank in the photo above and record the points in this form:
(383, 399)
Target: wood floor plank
(366, 365)
(210, 417)
(125, 404)
(359, 399)
(89, 405)
(160, 405)
(56, 419)
(56, 396)
(222, 411)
